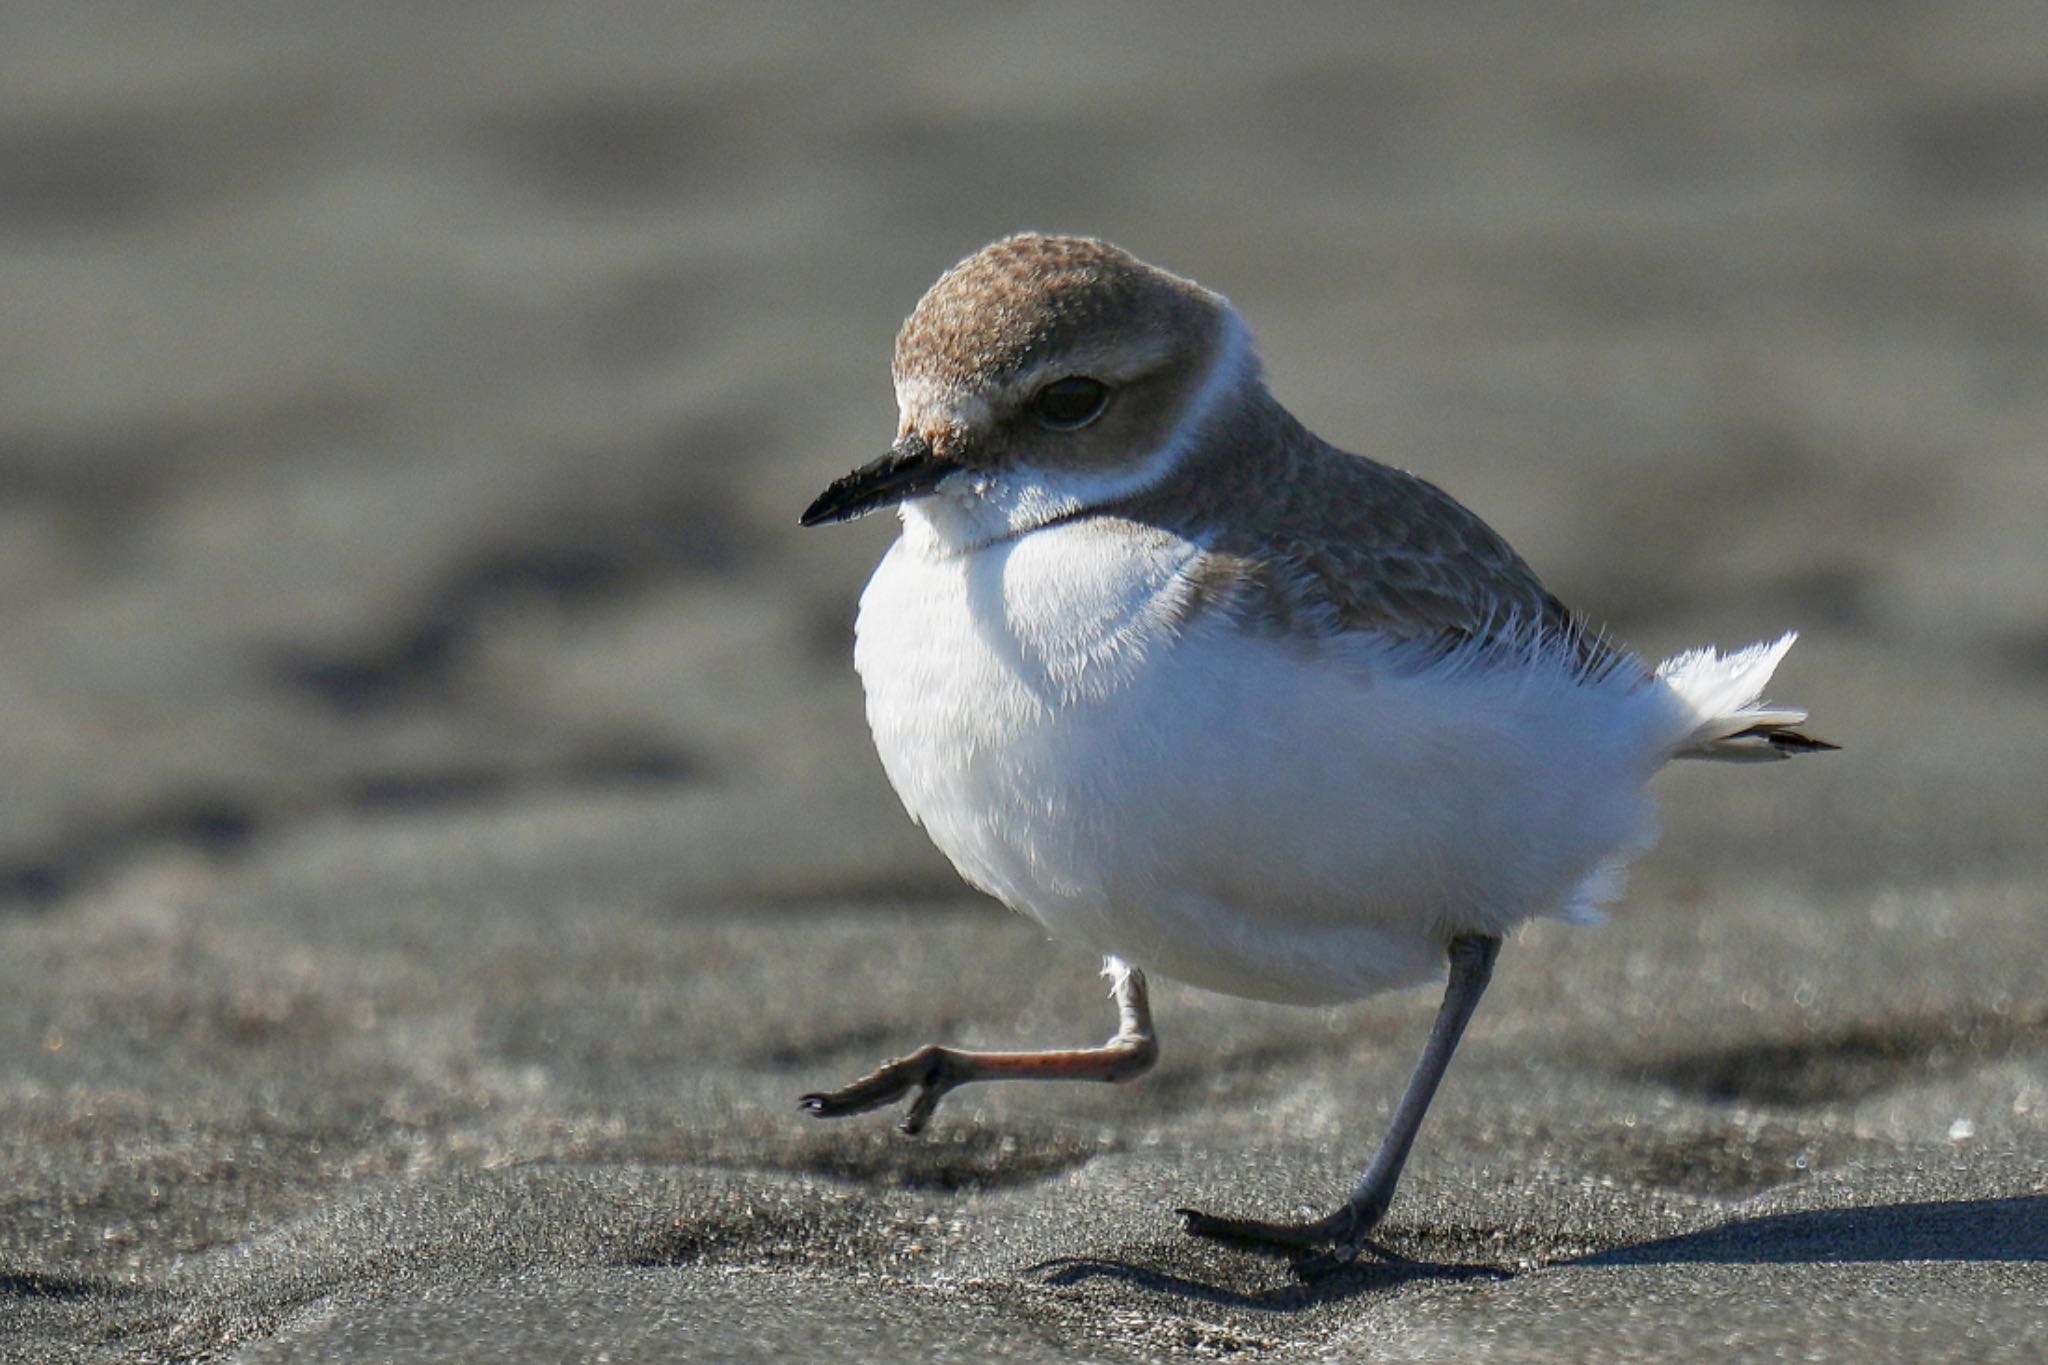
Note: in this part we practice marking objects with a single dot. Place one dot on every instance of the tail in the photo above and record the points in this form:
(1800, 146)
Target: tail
(1719, 693)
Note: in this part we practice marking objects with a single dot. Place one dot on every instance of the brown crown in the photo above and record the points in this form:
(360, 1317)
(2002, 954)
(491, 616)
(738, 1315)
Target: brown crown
(1028, 296)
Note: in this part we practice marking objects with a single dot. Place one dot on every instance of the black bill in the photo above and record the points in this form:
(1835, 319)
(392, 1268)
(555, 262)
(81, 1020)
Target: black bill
(909, 470)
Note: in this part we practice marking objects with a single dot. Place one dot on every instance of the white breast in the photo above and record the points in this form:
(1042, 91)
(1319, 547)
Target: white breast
(1284, 820)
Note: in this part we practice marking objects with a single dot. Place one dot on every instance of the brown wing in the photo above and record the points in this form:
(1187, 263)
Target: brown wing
(1388, 552)
(1345, 543)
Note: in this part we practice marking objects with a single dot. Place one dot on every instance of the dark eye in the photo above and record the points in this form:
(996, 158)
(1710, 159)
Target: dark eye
(1068, 403)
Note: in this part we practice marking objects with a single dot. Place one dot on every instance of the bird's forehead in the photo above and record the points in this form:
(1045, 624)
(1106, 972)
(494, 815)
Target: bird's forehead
(930, 404)
(1012, 310)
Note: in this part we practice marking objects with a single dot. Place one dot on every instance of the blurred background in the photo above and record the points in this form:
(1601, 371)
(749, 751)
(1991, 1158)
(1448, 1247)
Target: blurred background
(405, 410)
(408, 406)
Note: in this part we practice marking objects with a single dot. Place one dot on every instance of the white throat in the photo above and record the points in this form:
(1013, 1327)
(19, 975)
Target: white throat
(973, 507)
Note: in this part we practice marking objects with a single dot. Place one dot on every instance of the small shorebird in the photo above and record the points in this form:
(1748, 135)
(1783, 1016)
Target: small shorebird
(1157, 667)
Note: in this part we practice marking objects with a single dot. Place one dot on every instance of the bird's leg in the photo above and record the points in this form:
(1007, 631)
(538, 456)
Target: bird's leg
(1340, 1235)
(933, 1070)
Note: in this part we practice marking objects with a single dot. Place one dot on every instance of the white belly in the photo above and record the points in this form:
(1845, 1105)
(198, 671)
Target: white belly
(1300, 822)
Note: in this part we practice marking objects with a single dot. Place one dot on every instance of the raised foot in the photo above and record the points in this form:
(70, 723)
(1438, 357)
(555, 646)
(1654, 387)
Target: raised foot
(1318, 1246)
(929, 1071)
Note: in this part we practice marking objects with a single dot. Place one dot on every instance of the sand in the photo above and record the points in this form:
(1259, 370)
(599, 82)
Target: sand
(438, 835)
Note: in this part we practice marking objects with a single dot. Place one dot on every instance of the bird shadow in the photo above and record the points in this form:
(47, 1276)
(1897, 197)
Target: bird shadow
(1955, 1230)
(1389, 1271)
(1947, 1230)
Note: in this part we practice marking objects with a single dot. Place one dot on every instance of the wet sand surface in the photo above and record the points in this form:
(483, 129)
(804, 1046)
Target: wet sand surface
(438, 834)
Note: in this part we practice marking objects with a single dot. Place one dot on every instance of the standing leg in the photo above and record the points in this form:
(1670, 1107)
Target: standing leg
(1341, 1233)
(933, 1070)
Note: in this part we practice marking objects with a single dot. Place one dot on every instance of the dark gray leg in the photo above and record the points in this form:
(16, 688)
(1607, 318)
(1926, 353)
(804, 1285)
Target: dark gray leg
(1340, 1235)
(933, 1070)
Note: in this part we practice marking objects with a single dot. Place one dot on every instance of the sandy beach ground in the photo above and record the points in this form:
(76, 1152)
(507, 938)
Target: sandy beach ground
(439, 839)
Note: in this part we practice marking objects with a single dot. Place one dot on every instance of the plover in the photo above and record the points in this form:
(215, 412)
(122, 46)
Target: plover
(1157, 667)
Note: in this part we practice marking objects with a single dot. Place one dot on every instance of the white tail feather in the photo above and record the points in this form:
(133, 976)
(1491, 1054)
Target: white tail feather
(1720, 692)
